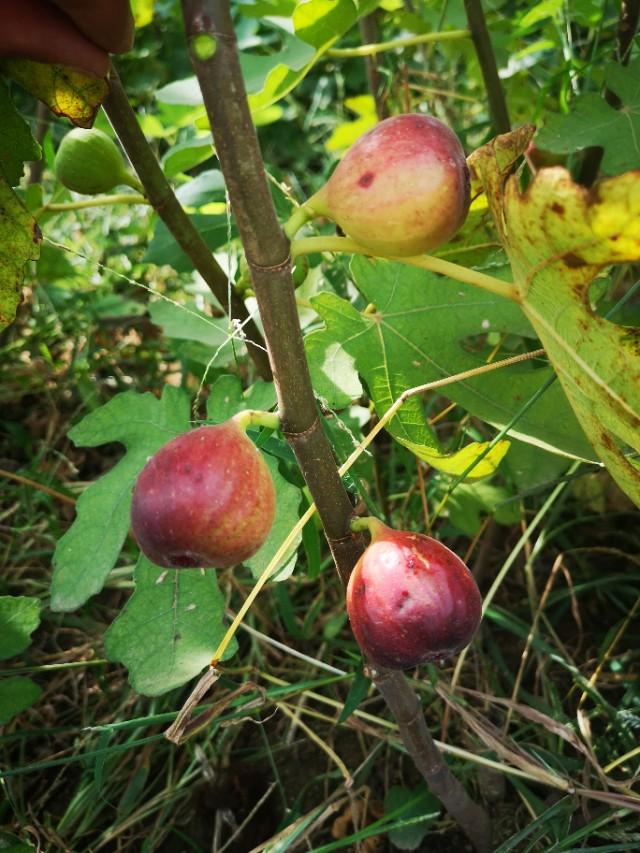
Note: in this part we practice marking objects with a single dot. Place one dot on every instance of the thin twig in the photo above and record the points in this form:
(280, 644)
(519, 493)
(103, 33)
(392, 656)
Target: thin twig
(94, 201)
(169, 209)
(368, 25)
(486, 58)
(395, 44)
(26, 481)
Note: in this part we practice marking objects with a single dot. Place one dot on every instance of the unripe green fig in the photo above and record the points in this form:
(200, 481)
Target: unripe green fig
(410, 599)
(206, 499)
(401, 189)
(89, 162)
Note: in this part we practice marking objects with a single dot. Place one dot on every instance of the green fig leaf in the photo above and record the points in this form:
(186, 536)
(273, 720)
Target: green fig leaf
(594, 122)
(16, 695)
(418, 333)
(186, 322)
(169, 628)
(317, 25)
(163, 248)
(19, 617)
(88, 551)
(470, 502)
(335, 377)
(288, 501)
(184, 156)
(476, 244)
(418, 807)
(346, 133)
(16, 142)
(226, 398)
(142, 12)
(534, 469)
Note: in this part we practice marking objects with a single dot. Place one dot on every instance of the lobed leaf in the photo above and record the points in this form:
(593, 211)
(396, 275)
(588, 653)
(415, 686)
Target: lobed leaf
(87, 552)
(19, 617)
(417, 332)
(169, 628)
(16, 695)
(594, 122)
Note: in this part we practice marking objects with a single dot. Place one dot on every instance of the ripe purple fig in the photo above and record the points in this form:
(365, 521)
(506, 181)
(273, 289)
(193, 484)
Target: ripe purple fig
(410, 599)
(401, 189)
(205, 499)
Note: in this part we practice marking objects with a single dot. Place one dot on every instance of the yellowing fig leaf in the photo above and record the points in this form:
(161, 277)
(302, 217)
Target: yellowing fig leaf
(490, 165)
(66, 92)
(457, 463)
(19, 242)
(558, 235)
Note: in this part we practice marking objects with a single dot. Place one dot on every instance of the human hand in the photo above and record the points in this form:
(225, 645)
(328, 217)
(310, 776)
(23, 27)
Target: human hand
(76, 33)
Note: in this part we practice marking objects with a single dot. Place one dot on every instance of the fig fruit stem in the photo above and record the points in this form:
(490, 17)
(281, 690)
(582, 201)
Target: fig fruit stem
(255, 417)
(131, 181)
(298, 218)
(395, 44)
(368, 523)
(94, 201)
(506, 289)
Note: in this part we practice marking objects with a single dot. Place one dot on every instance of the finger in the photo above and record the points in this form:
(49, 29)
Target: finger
(33, 29)
(108, 23)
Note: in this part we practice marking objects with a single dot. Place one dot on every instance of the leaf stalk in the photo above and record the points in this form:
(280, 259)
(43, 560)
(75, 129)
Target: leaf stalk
(396, 44)
(506, 289)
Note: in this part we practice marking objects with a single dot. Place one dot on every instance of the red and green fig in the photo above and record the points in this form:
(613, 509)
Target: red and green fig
(205, 499)
(402, 189)
(410, 599)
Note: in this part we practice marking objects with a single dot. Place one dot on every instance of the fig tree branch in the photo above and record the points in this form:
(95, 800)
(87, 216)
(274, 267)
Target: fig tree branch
(267, 254)
(368, 26)
(486, 58)
(208, 23)
(169, 209)
(627, 28)
(268, 257)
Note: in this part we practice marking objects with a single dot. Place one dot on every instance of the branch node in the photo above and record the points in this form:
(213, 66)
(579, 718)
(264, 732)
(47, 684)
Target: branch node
(293, 436)
(274, 268)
